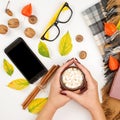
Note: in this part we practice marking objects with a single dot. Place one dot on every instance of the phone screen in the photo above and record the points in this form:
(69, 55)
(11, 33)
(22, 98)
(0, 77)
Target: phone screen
(25, 60)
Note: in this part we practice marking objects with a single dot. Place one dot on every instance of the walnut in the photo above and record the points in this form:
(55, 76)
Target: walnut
(29, 32)
(13, 23)
(3, 29)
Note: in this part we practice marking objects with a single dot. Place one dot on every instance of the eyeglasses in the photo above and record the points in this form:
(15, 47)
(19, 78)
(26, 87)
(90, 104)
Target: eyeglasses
(63, 16)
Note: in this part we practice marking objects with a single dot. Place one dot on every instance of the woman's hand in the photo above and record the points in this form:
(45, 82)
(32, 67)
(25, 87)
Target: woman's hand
(89, 99)
(56, 97)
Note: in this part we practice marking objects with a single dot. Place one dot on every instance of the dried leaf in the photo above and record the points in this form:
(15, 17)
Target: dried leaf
(43, 50)
(118, 25)
(9, 69)
(36, 105)
(18, 84)
(65, 45)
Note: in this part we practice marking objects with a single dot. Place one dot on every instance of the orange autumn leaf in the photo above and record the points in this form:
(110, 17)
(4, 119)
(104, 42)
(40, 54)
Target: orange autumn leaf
(109, 29)
(27, 10)
(113, 63)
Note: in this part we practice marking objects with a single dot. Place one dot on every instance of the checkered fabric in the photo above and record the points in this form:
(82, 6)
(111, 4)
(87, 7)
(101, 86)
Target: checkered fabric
(94, 17)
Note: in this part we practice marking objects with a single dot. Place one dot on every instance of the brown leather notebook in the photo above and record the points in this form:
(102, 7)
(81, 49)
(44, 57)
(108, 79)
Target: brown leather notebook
(115, 89)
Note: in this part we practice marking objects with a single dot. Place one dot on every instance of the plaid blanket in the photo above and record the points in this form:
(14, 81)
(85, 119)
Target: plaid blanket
(94, 17)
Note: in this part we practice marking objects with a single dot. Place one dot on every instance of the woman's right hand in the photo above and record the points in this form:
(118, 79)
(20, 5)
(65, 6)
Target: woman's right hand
(90, 98)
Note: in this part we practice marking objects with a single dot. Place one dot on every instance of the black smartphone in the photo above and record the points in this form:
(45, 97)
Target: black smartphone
(25, 60)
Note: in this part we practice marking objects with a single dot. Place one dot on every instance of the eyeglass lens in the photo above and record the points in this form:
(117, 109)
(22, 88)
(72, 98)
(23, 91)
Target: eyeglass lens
(52, 33)
(63, 17)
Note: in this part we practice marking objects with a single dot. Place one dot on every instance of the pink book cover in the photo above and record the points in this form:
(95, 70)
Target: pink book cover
(115, 88)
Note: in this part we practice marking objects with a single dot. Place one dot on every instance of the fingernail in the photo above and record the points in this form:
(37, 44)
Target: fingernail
(70, 59)
(77, 60)
(63, 93)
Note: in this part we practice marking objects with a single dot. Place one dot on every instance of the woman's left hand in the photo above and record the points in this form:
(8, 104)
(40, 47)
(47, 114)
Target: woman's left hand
(56, 98)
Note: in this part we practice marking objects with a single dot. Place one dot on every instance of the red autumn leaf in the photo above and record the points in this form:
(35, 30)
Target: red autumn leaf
(109, 29)
(27, 10)
(113, 63)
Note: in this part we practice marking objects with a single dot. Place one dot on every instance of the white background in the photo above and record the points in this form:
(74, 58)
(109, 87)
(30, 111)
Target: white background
(11, 100)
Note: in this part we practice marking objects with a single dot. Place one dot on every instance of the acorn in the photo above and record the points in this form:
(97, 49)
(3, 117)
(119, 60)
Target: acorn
(9, 12)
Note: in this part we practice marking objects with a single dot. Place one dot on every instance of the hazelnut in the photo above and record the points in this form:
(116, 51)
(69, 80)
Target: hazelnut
(29, 32)
(72, 79)
(79, 38)
(3, 29)
(13, 23)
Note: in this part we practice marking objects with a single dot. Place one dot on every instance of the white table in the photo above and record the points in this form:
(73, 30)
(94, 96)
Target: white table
(10, 100)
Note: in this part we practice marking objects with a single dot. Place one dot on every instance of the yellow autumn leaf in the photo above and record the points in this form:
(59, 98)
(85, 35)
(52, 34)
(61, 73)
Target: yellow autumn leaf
(118, 25)
(18, 84)
(43, 49)
(65, 45)
(9, 69)
(36, 105)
